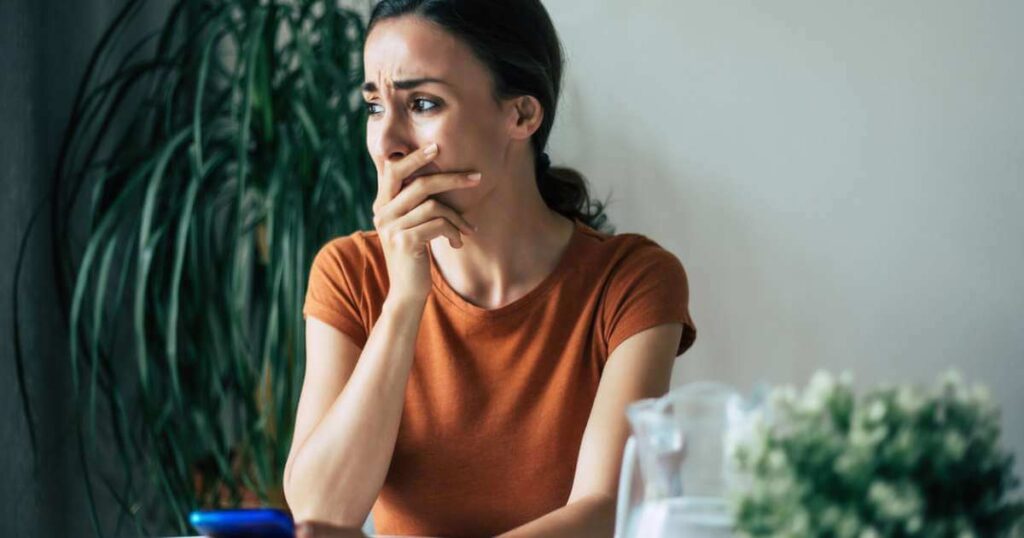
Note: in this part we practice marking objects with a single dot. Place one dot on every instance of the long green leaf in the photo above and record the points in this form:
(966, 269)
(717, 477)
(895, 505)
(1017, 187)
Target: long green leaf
(97, 325)
(146, 245)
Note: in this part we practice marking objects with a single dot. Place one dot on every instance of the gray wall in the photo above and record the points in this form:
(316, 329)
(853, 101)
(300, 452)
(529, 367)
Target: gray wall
(843, 181)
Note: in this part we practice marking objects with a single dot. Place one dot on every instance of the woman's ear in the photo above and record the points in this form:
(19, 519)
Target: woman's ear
(525, 115)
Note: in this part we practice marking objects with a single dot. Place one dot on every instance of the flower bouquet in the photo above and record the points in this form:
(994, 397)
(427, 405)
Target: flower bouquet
(898, 461)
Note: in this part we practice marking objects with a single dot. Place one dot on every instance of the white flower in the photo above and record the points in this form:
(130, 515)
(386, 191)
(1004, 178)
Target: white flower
(903, 443)
(830, 516)
(869, 532)
(818, 391)
(776, 459)
(894, 502)
(908, 400)
(864, 435)
(876, 411)
(952, 378)
(981, 393)
(821, 381)
(849, 525)
(955, 445)
(799, 523)
(784, 396)
(952, 385)
(981, 397)
(844, 464)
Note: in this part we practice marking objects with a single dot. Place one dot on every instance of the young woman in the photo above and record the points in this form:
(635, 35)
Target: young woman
(469, 361)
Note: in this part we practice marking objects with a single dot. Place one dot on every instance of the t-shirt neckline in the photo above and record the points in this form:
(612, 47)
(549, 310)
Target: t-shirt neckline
(441, 286)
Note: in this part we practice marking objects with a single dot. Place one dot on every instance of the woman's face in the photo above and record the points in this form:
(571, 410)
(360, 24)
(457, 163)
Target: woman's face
(425, 86)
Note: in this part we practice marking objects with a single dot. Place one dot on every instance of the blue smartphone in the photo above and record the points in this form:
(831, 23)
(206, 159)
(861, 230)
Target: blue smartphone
(244, 522)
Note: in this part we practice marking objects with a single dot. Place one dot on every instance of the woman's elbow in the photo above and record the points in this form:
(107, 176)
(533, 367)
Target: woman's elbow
(286, 480)
(306, 504)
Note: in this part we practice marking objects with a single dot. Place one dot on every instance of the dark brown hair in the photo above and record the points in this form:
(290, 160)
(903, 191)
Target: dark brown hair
(517, 42)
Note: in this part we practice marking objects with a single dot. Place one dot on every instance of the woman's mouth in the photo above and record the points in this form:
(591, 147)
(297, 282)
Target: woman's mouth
(425, 171)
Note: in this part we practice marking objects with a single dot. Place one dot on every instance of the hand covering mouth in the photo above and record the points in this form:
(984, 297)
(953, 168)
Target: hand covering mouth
(426, 170)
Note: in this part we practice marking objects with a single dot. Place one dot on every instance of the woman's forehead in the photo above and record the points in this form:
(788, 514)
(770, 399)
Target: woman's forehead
(411, 48)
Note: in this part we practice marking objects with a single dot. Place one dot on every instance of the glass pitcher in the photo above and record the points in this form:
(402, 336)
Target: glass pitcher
(678, 467)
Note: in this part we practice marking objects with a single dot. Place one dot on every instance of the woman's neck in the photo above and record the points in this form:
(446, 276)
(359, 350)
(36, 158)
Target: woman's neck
(518, 243)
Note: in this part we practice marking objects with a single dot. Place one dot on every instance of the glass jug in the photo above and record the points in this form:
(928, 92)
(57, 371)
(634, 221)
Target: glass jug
(678, 468)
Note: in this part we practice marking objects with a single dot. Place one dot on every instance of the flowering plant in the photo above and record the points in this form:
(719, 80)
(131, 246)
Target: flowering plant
(900, 461)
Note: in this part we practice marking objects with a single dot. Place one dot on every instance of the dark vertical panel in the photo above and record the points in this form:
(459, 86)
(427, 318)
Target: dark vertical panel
(44, 48)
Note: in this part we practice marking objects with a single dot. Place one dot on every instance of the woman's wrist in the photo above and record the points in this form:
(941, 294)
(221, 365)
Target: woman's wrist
(404, 302)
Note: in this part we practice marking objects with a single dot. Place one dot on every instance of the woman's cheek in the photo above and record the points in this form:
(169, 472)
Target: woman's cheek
(372, 148)
(434, 132)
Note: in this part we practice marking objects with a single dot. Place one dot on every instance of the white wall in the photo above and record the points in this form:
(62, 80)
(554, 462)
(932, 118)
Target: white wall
(843, 181)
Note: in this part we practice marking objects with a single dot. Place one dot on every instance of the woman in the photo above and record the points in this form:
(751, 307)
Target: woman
(486, 335)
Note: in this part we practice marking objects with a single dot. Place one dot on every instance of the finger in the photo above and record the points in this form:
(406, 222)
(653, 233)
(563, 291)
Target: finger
(394, 172)
(416, 192)
(432, 209)
(435, 228)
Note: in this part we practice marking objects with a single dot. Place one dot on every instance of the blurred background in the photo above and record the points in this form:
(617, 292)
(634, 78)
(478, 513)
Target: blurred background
(843, 182)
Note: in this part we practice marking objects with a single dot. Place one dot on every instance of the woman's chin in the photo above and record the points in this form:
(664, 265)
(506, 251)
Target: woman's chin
(460, 202)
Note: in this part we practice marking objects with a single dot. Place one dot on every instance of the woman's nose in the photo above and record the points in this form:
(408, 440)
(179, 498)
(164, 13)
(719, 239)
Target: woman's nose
(392, 139)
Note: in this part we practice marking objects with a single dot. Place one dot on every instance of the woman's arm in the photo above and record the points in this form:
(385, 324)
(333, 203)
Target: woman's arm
(345, 435)
(337, 466)
(640, 367)
(586, 517)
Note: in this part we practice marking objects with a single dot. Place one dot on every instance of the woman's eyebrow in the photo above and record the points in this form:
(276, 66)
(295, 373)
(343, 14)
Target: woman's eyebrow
(371, 87)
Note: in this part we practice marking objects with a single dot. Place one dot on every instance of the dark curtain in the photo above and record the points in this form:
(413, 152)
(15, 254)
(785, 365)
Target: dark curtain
(44, 49)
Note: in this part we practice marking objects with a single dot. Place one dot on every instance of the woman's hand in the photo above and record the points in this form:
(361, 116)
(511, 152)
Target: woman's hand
(406, 220)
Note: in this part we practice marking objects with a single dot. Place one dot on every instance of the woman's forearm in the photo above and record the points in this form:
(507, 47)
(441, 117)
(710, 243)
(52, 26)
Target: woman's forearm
(339, 470)
(589, 517)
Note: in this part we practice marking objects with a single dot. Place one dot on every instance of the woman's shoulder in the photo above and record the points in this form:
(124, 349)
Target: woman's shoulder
(358, 246)
(626, 250)
(357, 255)
(643, 284)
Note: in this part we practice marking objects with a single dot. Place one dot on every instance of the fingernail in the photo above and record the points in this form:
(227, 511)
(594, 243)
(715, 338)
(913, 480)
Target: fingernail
(430, 150)
(475, 176)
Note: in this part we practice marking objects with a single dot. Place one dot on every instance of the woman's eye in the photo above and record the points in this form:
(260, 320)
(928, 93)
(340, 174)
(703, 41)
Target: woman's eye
(418, 104)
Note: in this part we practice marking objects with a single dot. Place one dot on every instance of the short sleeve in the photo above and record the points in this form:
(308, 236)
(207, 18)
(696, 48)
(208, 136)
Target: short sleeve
(648, 289)
(330, 294)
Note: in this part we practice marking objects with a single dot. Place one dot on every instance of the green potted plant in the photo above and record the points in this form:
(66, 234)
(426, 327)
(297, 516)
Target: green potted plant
(211, 161)
(898, 461)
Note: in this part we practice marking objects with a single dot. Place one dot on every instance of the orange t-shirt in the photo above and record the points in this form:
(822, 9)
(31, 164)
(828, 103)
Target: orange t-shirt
(497, 400)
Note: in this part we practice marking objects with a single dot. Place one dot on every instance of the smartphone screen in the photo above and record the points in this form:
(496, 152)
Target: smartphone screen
(245, 522)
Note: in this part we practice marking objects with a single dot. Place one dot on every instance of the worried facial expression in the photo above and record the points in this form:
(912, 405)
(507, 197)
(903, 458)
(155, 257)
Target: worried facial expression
(423, 86)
